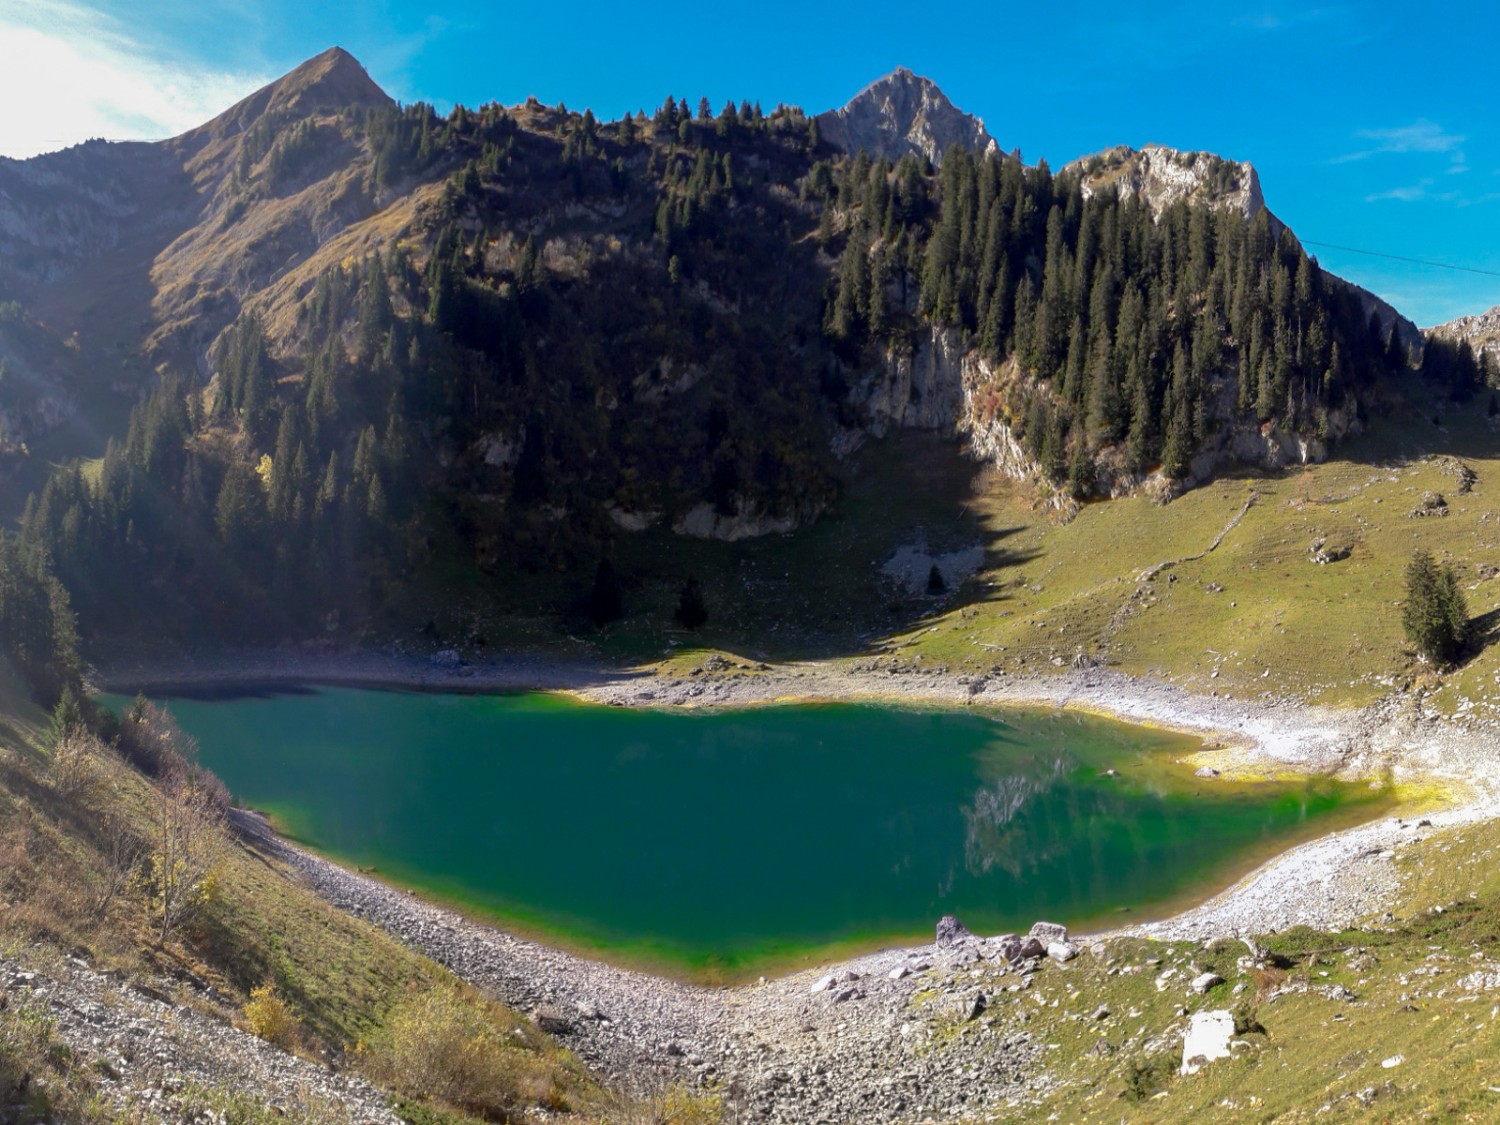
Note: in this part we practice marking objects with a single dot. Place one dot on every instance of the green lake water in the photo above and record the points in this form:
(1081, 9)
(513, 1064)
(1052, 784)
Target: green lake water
(720, 844)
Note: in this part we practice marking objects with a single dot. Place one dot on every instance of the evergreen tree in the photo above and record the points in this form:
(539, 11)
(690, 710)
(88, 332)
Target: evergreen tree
(606, 600)
(936, 586)
(1435, 617)
(692, 612)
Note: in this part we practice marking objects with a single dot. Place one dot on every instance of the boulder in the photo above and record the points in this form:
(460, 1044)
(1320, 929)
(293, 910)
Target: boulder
(977, 1006)
(950, 932)
(1204, 981)
(1205, 771)
(1032, 947)
(551, 1019)
(1048, 932)
(823, 984)
(1062, 950)
(1206, 1039)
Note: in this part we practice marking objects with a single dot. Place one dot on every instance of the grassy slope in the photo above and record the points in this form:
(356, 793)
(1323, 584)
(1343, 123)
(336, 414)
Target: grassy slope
(1319, 1053)
(1255, 616)
(342, 977)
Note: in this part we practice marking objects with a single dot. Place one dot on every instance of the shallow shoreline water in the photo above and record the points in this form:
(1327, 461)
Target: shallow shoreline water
(505, 808)
(1448, 762)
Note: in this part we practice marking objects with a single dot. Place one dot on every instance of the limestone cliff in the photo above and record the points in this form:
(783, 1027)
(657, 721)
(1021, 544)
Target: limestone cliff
(1481, 330)
(1162, 176)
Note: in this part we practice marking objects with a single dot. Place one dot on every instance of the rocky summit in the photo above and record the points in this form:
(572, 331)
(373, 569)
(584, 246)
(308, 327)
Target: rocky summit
(900, 114)
(1480, 331)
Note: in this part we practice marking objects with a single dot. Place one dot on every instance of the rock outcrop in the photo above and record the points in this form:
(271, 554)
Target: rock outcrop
(1162, 176)
(1481, 330)
(903, 113)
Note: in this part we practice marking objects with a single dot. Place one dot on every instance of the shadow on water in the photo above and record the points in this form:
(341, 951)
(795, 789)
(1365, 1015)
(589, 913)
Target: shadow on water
(227, 692)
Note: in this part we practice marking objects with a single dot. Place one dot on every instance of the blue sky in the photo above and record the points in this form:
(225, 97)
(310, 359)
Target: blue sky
(1373, 125)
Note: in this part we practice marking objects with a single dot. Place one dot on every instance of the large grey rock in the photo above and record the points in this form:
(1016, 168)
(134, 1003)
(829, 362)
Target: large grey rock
(1062, 950)
(1017, 949)
(950, 932)
(1204, 981)
(1048, 932)
(1160, 177)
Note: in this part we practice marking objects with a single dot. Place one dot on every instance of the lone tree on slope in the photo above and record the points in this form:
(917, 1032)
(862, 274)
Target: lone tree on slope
(1435, 617)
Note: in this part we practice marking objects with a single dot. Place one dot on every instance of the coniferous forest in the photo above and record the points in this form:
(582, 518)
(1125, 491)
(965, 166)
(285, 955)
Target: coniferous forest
(587, 327)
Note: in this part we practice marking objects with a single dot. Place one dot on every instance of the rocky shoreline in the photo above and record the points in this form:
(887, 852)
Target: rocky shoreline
(854, 1041)
(851, 1043)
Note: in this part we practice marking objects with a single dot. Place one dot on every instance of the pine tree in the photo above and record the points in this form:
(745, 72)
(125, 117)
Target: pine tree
(1435, 617)
(692, 612)
(605, 601)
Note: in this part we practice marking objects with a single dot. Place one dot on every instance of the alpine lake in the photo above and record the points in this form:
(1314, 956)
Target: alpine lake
(718, 845)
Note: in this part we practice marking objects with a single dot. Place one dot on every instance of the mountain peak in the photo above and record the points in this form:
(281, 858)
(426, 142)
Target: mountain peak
(903, 113)
(329, 81)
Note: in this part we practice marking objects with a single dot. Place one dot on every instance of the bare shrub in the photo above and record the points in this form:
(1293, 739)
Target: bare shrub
(74, 768)
(189, 843)
(452, 1046)
(151, 740)
(122, 852)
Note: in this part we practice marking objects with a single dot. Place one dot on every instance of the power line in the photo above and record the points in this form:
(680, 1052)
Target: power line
(1399, 258)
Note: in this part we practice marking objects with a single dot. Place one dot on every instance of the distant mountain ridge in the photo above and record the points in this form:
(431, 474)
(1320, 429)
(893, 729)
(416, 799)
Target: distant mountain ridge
(126, 263)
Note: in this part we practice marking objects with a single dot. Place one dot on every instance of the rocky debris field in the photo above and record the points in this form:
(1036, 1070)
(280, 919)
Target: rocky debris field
(148, 1055)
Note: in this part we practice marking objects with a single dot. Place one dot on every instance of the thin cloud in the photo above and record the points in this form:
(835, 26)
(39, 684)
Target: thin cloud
(1421, 191)
(1284, 21)
(93, 79)
(1421, 136)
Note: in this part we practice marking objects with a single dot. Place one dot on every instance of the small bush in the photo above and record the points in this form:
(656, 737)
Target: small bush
(1145, 1076)
(452, 1046)
(268, 1017)
(74, 768)
(673, 1105)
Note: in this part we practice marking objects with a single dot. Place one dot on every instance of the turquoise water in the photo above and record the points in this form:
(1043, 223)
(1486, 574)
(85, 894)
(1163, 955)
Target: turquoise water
(718, 844)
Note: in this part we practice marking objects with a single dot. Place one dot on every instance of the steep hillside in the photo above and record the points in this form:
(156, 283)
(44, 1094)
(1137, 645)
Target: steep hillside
(124, 261)
(1162, 176)
(384, 358)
